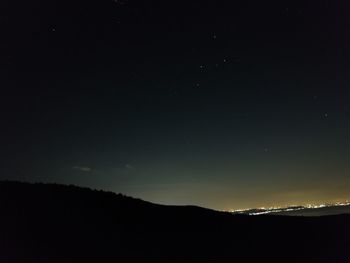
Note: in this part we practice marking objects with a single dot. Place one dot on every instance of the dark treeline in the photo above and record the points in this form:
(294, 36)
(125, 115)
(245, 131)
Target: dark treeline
(55, 223)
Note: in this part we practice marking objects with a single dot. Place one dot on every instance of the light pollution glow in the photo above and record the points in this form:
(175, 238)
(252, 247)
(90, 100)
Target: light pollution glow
(271, 210)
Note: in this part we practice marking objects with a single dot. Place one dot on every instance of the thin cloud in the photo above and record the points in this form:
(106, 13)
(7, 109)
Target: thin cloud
(129, 166)
(83, 169)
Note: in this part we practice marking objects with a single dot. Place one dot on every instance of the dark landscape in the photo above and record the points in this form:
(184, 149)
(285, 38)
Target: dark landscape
(57, 223)
(198, 108)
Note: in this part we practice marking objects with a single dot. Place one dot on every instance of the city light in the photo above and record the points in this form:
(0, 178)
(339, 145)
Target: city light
(276, 209)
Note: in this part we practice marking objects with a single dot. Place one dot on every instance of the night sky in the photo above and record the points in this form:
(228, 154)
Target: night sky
(222, 104)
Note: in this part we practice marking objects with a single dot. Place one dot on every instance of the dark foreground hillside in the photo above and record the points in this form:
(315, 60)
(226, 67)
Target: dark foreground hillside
(54, 223)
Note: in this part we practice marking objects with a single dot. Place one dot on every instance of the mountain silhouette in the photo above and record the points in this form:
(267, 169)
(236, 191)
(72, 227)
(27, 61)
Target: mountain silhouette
(57, 223)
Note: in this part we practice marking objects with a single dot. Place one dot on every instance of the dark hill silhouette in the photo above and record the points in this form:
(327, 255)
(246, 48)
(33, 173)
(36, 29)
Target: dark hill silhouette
(55, 223)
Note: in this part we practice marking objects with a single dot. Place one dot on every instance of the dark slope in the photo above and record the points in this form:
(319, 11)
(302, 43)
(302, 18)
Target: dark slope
(54, 223)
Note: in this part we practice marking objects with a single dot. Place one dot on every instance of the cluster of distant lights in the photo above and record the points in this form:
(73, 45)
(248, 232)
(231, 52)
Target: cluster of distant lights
(271, 210)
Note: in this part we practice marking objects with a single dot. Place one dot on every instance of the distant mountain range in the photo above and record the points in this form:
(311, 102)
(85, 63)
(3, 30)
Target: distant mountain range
(41, 223)
(310, 210)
